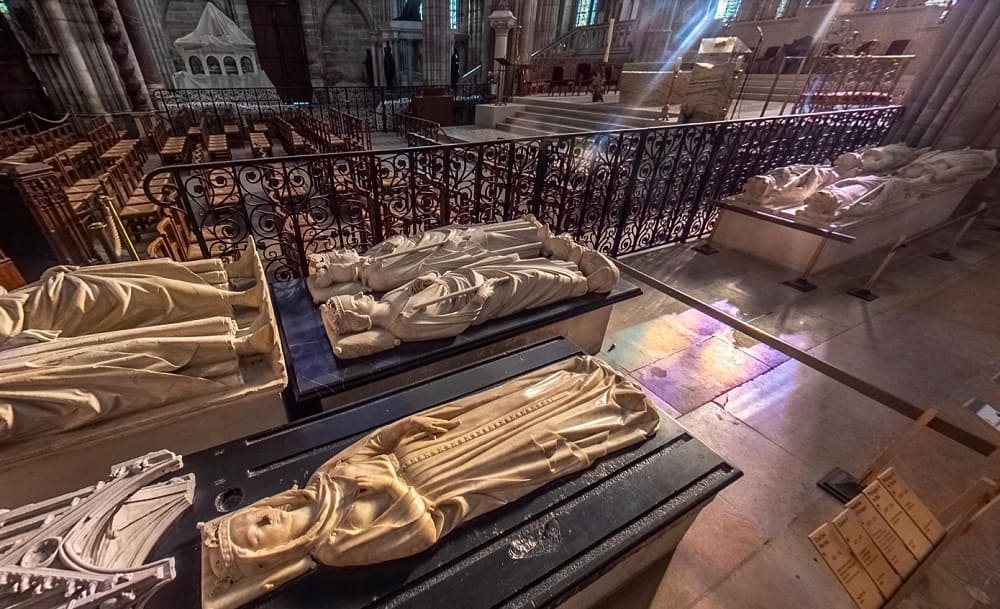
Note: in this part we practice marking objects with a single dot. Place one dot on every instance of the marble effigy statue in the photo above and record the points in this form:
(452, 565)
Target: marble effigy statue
(399, 490)
(927, 174)
(788, 186)
(74, 301)
(85, 345)
(442, 305)
(853, 197)
(877, 159)
(867, 182)
(942, 169)
(400, 259)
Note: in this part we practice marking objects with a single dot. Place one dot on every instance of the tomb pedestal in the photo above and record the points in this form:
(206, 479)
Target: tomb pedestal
(568, 544)
(793, 249)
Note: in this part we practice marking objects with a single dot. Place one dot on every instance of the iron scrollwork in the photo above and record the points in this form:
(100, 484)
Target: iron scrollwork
(620, 191)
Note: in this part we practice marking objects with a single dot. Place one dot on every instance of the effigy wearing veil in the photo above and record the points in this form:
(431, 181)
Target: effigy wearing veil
(399, 490)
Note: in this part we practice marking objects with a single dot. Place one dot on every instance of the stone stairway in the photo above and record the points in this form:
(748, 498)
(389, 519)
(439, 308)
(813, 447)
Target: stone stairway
(545, 116)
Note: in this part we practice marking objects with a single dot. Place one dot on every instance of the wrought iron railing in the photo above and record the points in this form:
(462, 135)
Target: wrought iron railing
(422, 132)
(381, 107)
(618, 191)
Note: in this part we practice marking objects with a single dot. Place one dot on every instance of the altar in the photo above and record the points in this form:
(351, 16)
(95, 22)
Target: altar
(319, 381)
(572, 541)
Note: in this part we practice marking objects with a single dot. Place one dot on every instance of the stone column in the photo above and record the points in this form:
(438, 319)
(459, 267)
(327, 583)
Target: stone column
(438, 43)
(379, 68)
(74, 57)
(953, 102)
(141, 46)
(121, 52)
(654, 33)
(526, 44)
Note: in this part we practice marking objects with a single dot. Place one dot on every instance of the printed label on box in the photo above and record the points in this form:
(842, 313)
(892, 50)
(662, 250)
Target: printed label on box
(882, 534)
(832, 547)
(916, 542)
(912, 505)
(867, 553)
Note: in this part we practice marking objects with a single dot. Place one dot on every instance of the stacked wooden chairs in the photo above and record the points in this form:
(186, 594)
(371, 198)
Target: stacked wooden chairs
(173, 149)
(319, 132)
(291, 139)
(14, 140)
(174, 239)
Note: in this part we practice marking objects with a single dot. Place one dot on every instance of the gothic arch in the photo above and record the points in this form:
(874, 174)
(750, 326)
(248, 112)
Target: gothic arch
(344, 34)
(357, 7)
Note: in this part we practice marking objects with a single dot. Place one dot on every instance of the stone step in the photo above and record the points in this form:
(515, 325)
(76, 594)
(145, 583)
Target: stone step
(587, 120)
(521, 131)
(545, 126)
(589, 107)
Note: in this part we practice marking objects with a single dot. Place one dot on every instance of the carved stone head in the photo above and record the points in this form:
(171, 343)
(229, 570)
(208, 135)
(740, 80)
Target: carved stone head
(337, 266)
(271, 532)
(350, 314)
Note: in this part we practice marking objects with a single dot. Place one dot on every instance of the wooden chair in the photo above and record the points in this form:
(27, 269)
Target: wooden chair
(157, 248)
(234, 135)
(217, 148)
(173, 229)
(610, 78)
(176, 150)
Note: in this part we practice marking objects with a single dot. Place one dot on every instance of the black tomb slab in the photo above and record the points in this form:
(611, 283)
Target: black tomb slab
(535, 552)
(314, 373)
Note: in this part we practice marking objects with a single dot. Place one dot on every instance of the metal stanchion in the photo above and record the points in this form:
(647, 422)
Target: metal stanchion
(111, 212)
(865, 291)
(946, 255)
(802, 283)
(706, 247)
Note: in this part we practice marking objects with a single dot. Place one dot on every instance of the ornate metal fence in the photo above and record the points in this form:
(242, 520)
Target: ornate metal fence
(381, 107)
(619, 191)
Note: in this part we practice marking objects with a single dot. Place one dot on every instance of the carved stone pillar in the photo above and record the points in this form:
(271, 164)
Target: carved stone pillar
(121, 51)
(526, 44)
(43, 196)
(78, 70)
(141, 46)
(438, 43)
(654, 33)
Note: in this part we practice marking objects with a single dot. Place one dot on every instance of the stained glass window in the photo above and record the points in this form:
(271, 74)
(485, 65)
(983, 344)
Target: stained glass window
(586, 12)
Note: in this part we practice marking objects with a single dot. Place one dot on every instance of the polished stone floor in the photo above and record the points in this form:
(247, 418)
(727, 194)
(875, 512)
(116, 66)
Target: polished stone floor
(932, 337)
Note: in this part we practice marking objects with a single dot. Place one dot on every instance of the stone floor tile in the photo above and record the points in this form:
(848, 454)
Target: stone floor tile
(650, 305)
(822, 422)
(786, 574)
(775, 485)
(939, 589)
(720, 539)
(689, 378)
(910, 354)
(644, 343)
